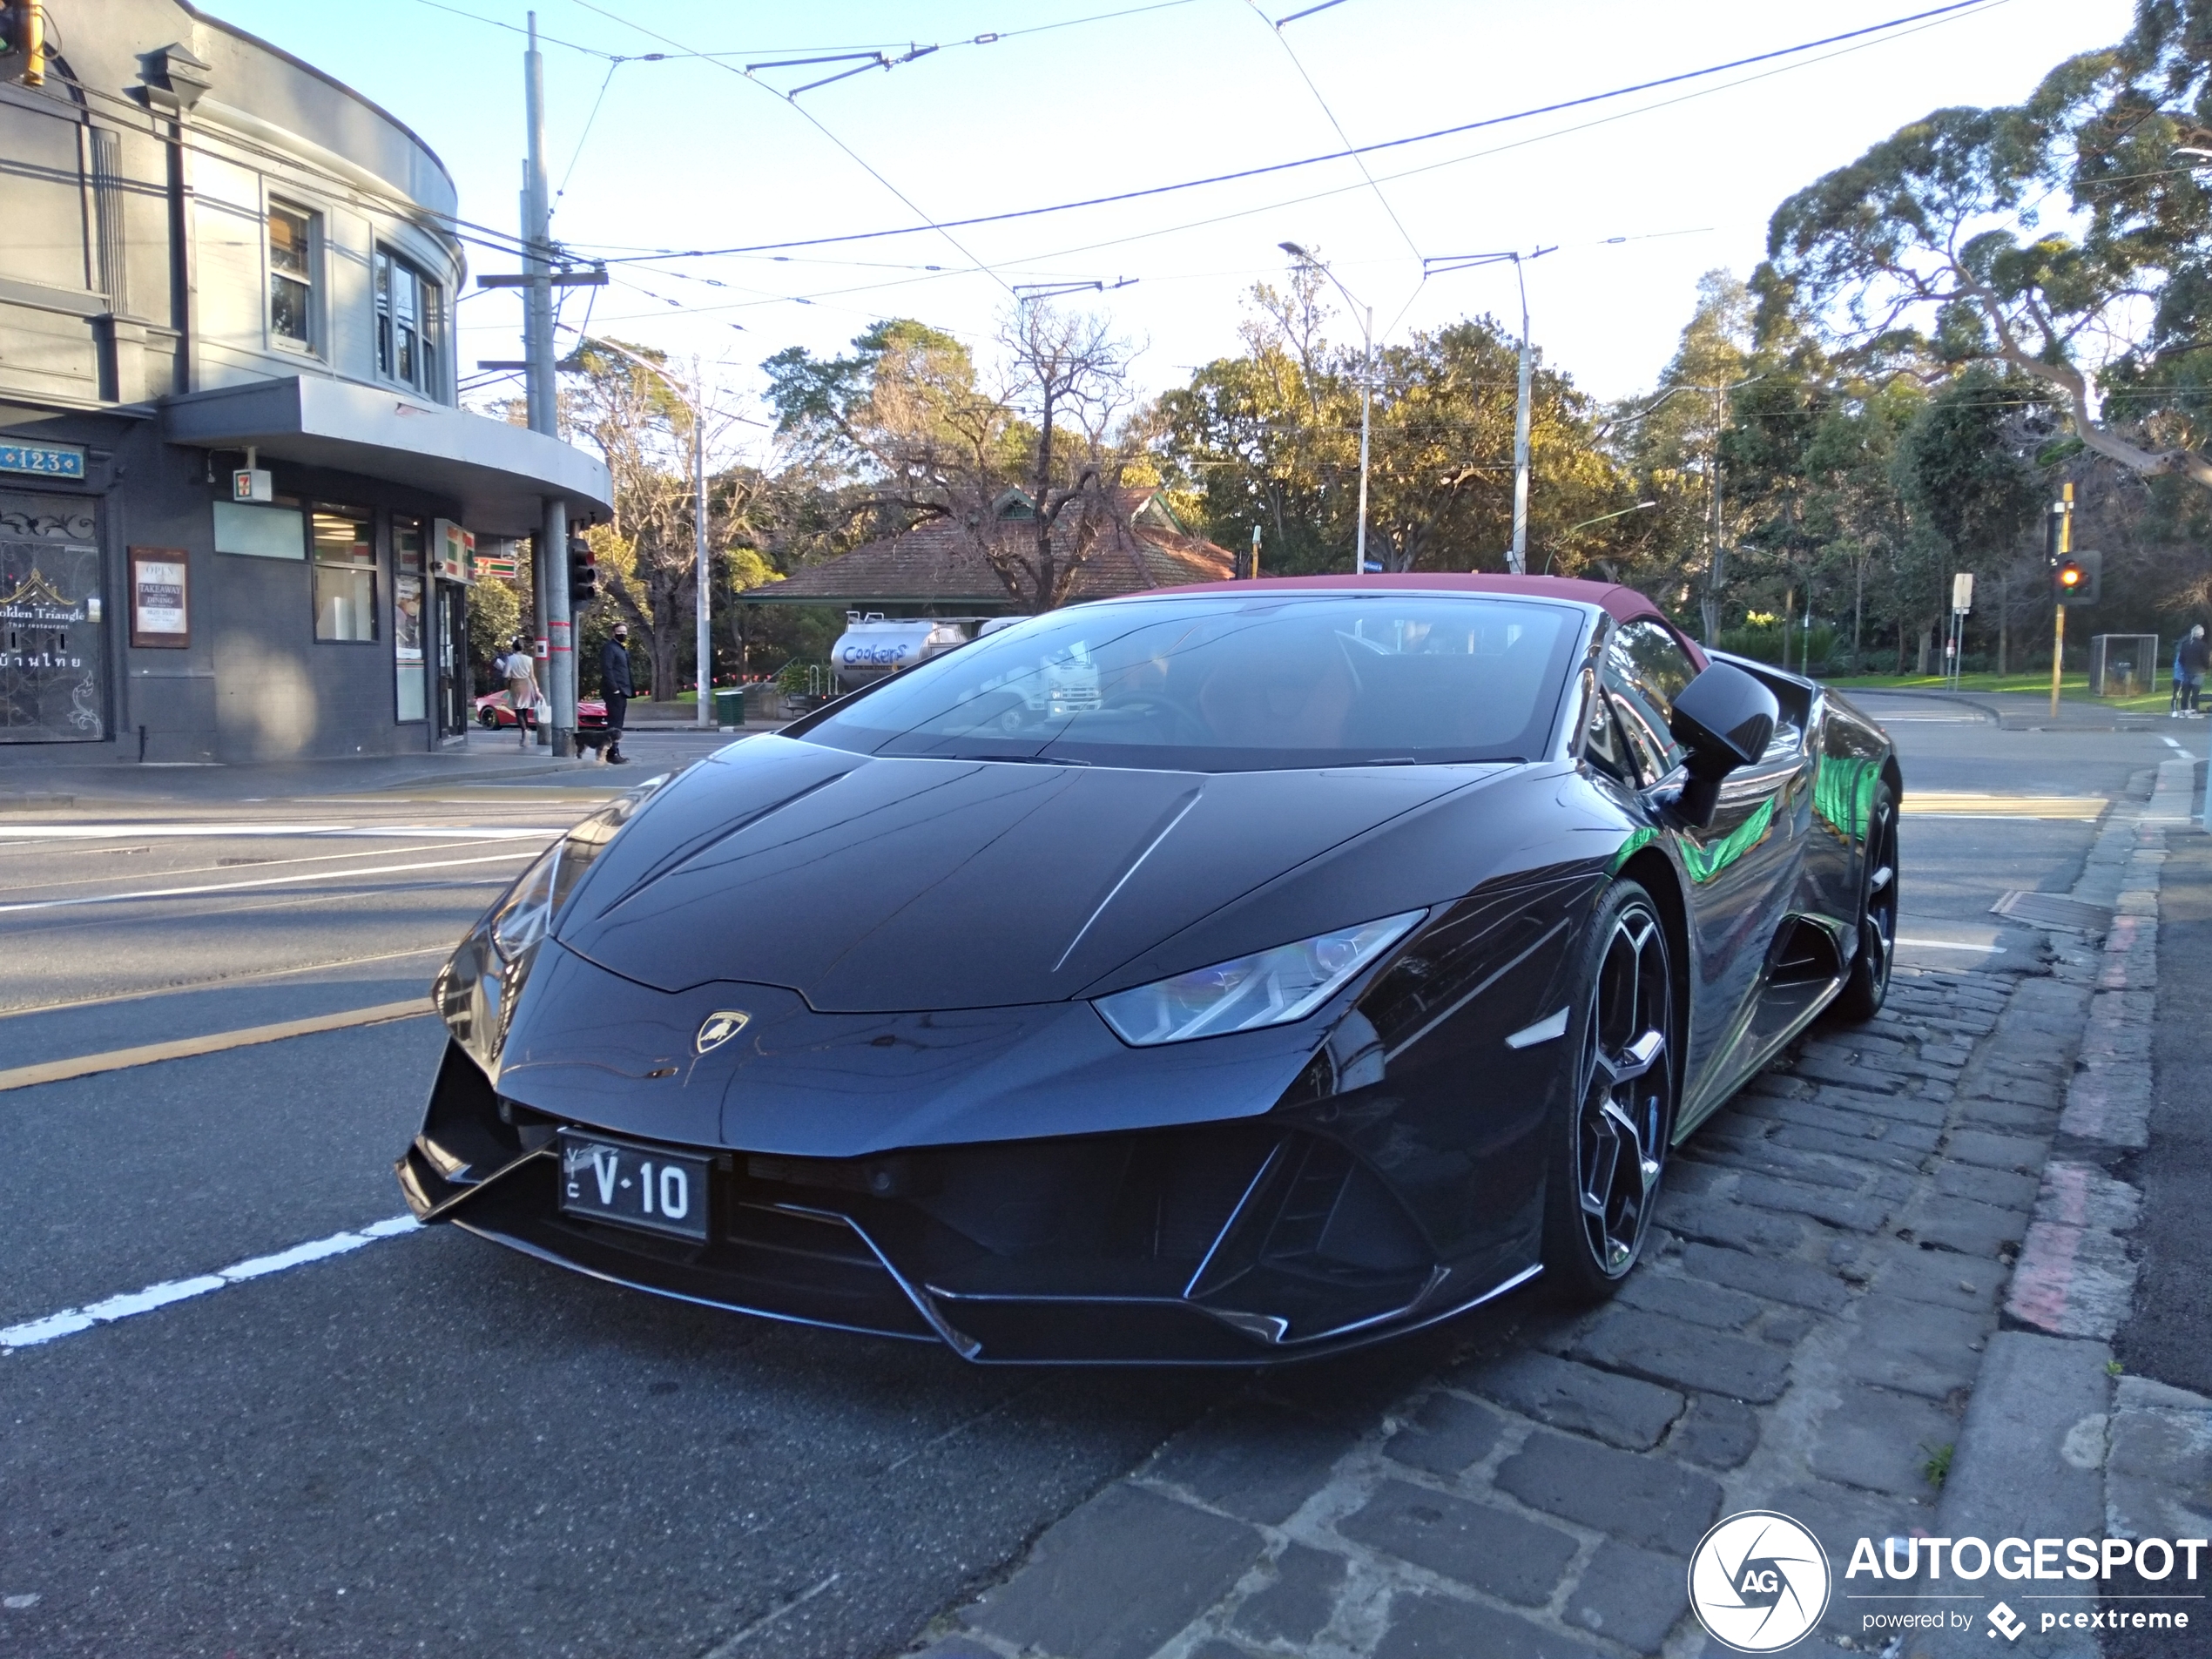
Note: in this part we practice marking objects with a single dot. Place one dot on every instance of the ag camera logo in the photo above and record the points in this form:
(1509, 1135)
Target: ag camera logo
(1758, 1581)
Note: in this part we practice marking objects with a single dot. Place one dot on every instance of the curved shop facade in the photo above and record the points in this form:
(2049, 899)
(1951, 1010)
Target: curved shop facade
(222, 261)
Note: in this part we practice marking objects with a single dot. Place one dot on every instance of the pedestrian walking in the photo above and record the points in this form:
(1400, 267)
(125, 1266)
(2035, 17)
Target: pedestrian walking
(521, 670)
(615, 689)
(2194, 657)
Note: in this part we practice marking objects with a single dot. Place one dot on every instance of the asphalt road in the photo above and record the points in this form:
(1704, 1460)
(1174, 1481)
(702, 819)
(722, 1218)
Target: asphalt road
(2169, 1336)
(1962, 844)
(427, 1443)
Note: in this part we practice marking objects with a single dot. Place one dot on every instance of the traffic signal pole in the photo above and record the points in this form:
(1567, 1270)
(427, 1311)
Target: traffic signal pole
(551, 564)
(2065, 513)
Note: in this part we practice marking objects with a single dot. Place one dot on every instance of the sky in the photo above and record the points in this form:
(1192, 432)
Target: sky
(1638, 195)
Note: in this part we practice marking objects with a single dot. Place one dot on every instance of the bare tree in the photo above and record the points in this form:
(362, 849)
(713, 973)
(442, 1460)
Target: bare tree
(906, 419)
(1068, 374)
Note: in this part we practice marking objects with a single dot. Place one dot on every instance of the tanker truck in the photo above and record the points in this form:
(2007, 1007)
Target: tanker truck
(874, 646)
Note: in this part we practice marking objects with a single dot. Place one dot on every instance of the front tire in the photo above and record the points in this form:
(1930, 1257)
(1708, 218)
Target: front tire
(1602, 1178)
(488, 718)
(1868, 986)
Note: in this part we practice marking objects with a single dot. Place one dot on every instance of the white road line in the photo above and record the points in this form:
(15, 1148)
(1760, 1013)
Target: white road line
(224, 832)
(1946, 944)
(2177, 748)
(222, 982)
(330, 861)
(33, 1333)
(266, 881)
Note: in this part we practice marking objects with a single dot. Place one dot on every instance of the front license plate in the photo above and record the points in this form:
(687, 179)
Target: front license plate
(633, 1186)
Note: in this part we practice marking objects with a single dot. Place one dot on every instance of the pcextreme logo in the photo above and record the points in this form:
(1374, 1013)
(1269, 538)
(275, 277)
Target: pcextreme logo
(1758, 1581)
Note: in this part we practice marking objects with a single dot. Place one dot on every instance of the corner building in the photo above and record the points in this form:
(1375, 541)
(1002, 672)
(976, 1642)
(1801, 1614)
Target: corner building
(216, 254)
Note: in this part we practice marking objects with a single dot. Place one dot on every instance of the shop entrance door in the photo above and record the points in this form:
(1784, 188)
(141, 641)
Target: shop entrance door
(53, 658)
(453, 683)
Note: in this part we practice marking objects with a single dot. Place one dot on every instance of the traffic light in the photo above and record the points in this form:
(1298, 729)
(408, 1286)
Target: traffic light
(23, 41)
(2076, 578)
(583, 573)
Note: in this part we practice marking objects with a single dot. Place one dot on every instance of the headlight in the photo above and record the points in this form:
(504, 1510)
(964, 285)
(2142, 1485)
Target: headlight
(1269, 987)
(476, 989)
(518, 926)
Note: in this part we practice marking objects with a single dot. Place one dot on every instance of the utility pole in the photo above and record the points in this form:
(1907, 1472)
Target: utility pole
(1517, 554)
(2061, 543)
(1518, 561)
(704, 633)
(550, 556)
(1716, 570)
(1366, 409)
(694, 401)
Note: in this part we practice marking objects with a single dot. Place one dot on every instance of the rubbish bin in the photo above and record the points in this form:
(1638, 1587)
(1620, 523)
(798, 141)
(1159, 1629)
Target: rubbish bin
(729, 707)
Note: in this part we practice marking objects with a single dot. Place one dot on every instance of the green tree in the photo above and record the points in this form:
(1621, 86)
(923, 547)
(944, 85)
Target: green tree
(495, 621)
(1855, 513)
(648, 559)
(1935, 240)
(1672, 438)
(1270, 439)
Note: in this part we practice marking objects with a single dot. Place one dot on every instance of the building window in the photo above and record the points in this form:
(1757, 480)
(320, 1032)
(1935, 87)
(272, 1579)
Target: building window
(410, 324)
(278, 531)
(292, 240)
(342, 540)
(407, 615)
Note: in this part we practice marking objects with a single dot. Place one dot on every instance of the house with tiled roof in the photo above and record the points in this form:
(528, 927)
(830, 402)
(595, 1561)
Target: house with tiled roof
(938, 566)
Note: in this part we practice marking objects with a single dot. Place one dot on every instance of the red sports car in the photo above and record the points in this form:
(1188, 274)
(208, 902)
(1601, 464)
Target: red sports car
(492, 711)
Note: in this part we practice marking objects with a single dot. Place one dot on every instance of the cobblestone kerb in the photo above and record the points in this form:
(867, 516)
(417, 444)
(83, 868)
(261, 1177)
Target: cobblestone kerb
(1835, 1254)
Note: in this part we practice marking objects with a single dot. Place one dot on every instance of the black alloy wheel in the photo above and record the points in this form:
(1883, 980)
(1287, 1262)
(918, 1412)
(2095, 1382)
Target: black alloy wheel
(1599, 1205)
(488, 717)
(1868, 986)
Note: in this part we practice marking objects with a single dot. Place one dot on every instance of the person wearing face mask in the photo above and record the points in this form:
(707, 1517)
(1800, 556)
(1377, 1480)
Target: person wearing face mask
(616, 688)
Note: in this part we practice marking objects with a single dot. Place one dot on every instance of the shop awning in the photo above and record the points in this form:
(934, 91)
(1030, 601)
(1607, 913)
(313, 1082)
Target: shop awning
(497, 474)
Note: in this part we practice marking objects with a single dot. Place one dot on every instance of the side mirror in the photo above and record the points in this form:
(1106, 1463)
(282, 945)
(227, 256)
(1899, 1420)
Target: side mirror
(1725, 719)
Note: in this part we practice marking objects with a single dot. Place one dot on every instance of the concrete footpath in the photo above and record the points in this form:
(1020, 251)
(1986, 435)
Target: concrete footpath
(2031, 711)
(1881, 1299)
(481, 758)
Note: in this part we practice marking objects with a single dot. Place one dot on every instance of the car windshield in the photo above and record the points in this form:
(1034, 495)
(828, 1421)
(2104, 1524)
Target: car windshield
(1232, 683)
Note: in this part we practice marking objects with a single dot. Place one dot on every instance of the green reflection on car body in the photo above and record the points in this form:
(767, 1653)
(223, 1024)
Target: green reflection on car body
(1706, 862)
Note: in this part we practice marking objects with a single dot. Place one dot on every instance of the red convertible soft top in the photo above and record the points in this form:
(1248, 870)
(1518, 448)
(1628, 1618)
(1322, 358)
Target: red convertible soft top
(1625, 603)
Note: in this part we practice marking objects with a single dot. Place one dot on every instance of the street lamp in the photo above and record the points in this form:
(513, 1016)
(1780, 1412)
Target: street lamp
(703, 635)
(1366, 390)
(1585, 524)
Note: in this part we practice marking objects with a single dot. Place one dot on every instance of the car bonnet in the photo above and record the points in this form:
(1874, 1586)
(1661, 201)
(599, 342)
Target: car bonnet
(876, 885)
